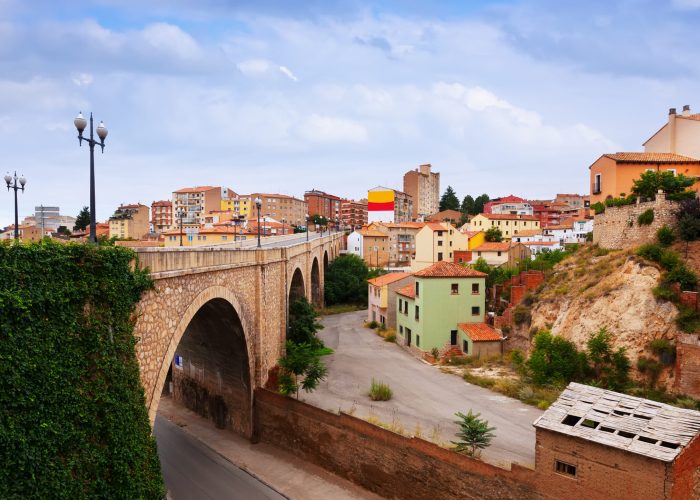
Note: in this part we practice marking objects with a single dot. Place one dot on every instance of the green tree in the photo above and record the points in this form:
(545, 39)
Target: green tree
(688, 217)
(319, 220)
(493, 234)
(449, 200)
(468, 205)
(479, 203)
(665, 235)
(346, 280)
(555, 360)
(610, 367)
(474, 434)
(675, 186)
(82, 221)
(481, 265)
(302, 368)
(302, 323)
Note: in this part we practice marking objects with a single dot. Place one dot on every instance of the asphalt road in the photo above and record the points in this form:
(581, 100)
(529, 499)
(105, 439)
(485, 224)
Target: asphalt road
(193, 471)
(422, 393)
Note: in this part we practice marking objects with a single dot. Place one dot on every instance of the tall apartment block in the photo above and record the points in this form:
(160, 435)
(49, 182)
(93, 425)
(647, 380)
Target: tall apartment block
(424, 187)
(403, 207)
(161, 215)
(279, 207)
(196, 202)
(353, 214)
(323, 204)
(129, 221)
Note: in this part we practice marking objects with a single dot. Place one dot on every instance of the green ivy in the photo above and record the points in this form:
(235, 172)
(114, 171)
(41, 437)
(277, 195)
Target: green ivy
(73, 420)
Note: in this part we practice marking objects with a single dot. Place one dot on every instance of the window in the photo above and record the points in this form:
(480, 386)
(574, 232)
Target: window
(417, 340)
(439, 256)
(450, 243)
(417, 289)
(465, 346)
(455, 288)
(439, 243)
(475, 288)
(224, 237)
(597, 184)
(499, 253)
(417, 313)
(405, 307)
(476, 310)
(564, 468)
(401, 330)
(400, 304)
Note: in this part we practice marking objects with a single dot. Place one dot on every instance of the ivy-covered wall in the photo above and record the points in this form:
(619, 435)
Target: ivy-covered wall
(73, 422)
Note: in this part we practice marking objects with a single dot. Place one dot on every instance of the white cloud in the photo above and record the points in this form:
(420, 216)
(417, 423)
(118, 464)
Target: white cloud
(328, 129)
(254, 67)
(287, 72)
(168, 38)
(82, 79)
(686, 4)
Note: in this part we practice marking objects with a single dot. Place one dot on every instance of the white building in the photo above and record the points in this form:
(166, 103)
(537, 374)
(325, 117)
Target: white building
(355, 243)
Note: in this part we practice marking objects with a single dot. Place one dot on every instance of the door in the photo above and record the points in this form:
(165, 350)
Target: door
(453, 337)
(408, 336)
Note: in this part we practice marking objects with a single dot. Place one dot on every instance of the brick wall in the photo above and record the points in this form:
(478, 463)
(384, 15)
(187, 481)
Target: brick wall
(386, 463)
(617, 227)
(690, 299)
(601, 472)
(686, 472)
(687, 365)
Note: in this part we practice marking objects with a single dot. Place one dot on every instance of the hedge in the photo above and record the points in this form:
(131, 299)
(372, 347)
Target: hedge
(73, 421)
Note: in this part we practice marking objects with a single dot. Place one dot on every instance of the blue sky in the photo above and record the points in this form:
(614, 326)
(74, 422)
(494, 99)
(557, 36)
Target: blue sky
(501, 97)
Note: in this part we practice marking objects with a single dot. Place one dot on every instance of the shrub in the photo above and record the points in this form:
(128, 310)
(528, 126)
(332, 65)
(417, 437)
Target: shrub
(474, 434)
(664, 292)
(651, 368)
(683, 276)
(598, 208)
(379, 391)
(665, 235)
(381, 327)
(650, 251)
(555, 359)
(521, 315)
(390, 338)
(665, 351)
(435, 352)
(372, 324)
(646, 217)
(302, 323)
(688, 319)
(478, 380)
(526, 393)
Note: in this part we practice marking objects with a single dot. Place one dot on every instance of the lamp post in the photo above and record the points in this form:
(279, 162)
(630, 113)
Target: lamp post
(80, 124)
(337, 224)
(12, 184)
(283, 221)
(307, 227)
(258, 204)
(180, 216)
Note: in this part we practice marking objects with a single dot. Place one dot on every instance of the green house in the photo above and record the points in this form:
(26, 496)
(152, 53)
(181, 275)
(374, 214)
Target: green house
(444, 309)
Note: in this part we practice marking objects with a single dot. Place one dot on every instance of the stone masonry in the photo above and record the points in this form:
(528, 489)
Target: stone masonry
(256, 283)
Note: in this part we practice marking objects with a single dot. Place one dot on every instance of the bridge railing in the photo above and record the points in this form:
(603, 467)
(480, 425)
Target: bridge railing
(176, 260)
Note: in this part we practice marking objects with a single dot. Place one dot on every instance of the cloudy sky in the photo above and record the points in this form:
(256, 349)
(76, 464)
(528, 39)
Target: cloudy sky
(501, 97)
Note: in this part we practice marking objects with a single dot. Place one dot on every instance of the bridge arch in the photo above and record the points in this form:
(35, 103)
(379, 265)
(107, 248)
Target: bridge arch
(216, 374)
(325, 261)
(316, 298)
(297, 287)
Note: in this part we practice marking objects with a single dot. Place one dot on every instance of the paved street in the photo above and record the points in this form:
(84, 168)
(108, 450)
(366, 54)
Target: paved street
(422, 393)
(193, 471)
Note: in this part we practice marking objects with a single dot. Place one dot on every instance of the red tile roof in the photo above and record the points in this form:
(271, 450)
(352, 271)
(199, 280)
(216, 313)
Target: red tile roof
(696, 117)
(491, 246)
(408, 291)
(444, 269)
(650, 158)
(387, 279)
(438, 226)
(510, 217)
(196, 189)
(373, 233)
(480, 332)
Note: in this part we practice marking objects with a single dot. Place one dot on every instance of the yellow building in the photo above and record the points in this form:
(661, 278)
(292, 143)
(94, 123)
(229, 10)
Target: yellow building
(437, 241)
(218, 235)
(239, 205)
(508, 224)
(476, 238)
(129, 222)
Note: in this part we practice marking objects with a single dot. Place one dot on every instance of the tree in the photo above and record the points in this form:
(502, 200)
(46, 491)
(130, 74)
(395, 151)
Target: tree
(302, 368)
(63, 230)
(319, 220)
(479, 203)
(302, 323)
(468, 205)
(675, 186)
(555, 360)
(494, 234)
(474, 434)
(82, 221)
(346, 280)
(610, 368)
(449, 200)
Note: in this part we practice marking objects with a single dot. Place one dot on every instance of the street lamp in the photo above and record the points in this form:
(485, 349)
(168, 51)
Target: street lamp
(307, 227)
(258, 204)
(80, 124)
(12, 184)
(180, 216)
(283, 221)
(337, 224)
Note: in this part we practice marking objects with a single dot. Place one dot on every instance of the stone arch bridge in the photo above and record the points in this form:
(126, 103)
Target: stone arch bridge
(215, 323)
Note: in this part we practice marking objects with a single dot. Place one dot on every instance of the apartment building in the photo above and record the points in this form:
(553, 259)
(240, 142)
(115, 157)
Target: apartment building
(204, 236)
(401, 240)
(280, 207)
(196, 202)
(436, 242)
(353, 214)
(129, 222)
(508, 224)
(161, 215)
(238, 205)
(381, 304)
(423, 186)
(323, 204)
(506, 205)
(403, 207)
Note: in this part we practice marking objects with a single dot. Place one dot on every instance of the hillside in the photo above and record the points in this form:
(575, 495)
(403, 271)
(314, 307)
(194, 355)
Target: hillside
(593, 289)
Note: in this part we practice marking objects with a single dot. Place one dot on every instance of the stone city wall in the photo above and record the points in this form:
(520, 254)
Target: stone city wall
(688, 365)
(618, 227)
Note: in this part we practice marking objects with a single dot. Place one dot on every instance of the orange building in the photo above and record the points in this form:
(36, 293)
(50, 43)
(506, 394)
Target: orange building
(323, 204)
(613, 174)
(161, 215)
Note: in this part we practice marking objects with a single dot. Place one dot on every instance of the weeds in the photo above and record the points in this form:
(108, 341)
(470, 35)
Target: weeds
(379, 391)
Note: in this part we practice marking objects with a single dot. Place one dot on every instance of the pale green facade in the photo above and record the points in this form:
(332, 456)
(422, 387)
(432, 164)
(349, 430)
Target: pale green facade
(440, 310)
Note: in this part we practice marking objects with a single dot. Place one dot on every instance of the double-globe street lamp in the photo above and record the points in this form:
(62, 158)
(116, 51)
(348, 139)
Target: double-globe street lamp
(180, 216)
(258, 205)
(307, 227)
(80, 124)
(16, 183)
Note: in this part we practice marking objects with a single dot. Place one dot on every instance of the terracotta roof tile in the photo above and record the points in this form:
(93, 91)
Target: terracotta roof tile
(480, 332)
(387, 278)
(696, 117)
(444, 269)
(196, 189)
(438, 226)
(650, 158)
(408, 291)
(372, 233)
(491, 246)
(510, 217)
(528, 232)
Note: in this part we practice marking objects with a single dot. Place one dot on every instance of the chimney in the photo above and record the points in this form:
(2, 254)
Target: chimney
(686, 110)
(672, 130)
